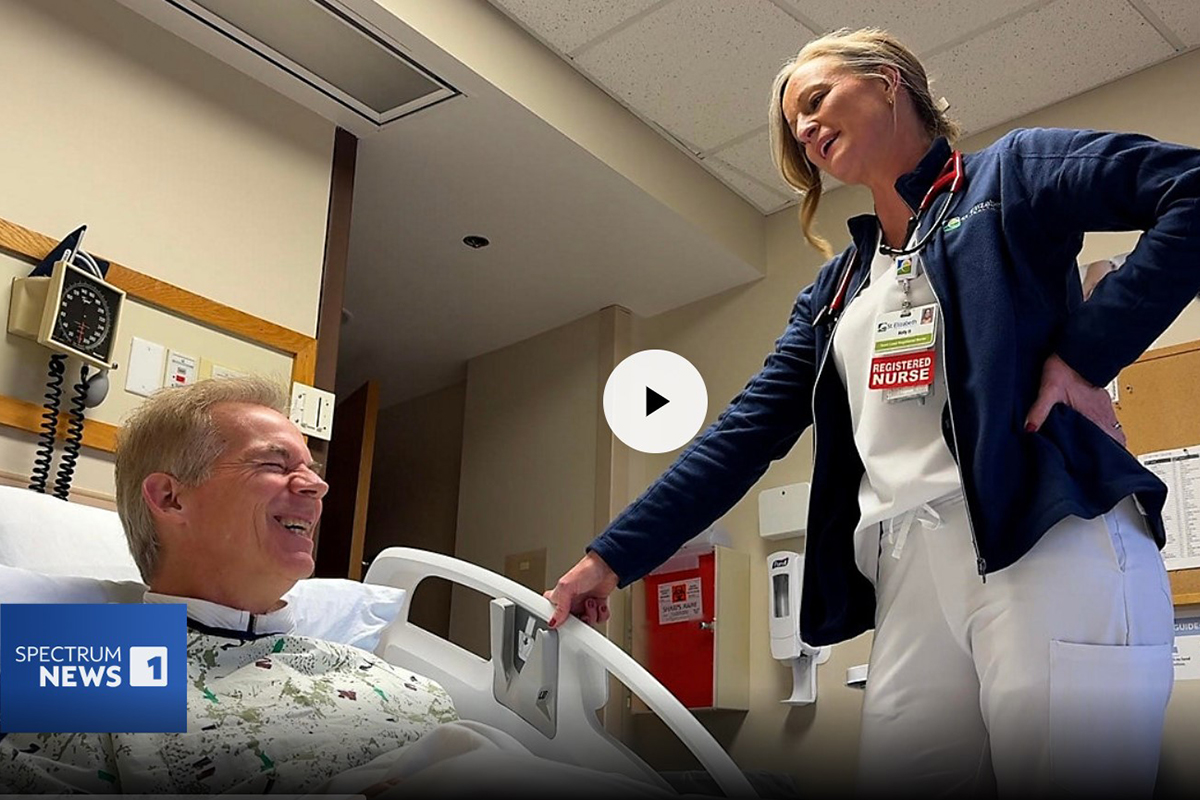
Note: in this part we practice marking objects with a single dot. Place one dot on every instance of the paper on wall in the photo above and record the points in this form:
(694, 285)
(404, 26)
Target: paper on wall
(1187, 649)
(1179, 469)
(679, 601)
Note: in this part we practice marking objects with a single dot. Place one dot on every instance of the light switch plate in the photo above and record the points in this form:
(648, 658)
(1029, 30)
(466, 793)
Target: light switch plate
(211, 369)
(312, 410)
(143, 374)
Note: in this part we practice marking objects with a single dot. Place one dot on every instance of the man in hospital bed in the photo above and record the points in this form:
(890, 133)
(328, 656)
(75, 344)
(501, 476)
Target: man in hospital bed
(219, 499)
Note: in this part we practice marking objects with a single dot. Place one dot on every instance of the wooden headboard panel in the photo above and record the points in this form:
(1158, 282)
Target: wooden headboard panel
(33, 246)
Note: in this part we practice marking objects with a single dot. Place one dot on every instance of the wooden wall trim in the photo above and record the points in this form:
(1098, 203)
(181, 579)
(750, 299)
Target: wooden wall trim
(337, 255)
(35, 246)
(28, 417)
(198, 308)
(1167, 352)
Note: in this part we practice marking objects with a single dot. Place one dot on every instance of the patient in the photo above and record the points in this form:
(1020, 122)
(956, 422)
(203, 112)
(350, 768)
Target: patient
(219, 499)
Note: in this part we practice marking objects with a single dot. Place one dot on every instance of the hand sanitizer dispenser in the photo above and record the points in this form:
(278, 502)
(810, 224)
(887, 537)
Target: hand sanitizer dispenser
(785, 573)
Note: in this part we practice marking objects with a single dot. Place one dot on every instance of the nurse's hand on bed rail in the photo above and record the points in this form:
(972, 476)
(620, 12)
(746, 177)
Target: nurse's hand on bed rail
(583, 591)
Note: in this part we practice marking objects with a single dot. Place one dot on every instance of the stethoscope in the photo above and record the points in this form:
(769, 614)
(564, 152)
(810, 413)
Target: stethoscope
(951, 180)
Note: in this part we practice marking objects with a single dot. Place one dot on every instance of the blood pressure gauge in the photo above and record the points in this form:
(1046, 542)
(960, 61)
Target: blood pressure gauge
(81, 315)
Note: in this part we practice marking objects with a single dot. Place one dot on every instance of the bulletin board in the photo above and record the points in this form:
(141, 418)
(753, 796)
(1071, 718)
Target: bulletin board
(1156, 403)
(28, 245)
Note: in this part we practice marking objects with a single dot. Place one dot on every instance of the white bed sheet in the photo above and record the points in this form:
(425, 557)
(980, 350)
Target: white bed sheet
(472, 759)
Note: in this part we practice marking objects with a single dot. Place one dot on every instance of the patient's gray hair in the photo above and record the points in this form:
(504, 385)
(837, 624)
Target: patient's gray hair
(174, 432)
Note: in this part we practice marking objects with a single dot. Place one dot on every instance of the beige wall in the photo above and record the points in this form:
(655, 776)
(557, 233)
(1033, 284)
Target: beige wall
(414, 488)
(529, 456)
(727, 336)
(183, 169)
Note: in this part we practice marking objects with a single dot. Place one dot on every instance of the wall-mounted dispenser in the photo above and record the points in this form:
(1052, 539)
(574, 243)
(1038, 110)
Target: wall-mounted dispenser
(785, 575)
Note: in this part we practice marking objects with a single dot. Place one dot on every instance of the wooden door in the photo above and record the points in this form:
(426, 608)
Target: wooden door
(351, 452)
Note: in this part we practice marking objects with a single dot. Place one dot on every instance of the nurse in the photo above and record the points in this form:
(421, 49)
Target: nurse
(972, 500)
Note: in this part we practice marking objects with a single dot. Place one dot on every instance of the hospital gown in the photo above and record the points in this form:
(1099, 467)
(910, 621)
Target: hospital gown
(280, 713)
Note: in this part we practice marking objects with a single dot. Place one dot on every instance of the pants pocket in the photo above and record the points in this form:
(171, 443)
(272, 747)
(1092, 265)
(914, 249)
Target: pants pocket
(867, 544)
(1107, 704)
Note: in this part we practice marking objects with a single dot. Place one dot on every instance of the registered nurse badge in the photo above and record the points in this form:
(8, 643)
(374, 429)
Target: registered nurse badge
(93, 668)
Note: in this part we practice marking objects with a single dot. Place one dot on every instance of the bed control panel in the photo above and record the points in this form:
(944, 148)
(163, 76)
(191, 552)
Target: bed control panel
(525, 664)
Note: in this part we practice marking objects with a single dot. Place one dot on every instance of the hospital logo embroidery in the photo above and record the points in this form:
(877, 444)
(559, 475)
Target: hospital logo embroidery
(93, 668)
(954, 223)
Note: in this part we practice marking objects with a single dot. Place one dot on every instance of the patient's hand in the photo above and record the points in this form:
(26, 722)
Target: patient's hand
(583, 591)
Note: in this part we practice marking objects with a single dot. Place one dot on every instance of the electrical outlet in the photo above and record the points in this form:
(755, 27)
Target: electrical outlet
(312, 410)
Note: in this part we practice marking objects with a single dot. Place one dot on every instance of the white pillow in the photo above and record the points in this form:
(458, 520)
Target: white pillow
(57, 552)
(39, 532)
(26, 586)
(333, 609)
(345, 611)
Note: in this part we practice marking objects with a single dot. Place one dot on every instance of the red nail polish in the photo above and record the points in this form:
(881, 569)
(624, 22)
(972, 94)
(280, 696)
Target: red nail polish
(1030, 427)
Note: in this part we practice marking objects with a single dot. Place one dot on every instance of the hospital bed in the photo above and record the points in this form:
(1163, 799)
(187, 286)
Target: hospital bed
(543, 687)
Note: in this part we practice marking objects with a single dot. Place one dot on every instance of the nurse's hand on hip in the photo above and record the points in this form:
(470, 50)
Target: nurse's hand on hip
(1061, 384)
(583, 591)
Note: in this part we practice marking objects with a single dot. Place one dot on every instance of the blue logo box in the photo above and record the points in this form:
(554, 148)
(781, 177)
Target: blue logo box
(93, 668)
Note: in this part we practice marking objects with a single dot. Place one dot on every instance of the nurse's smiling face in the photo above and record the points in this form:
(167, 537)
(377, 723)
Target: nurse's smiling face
(843, 122)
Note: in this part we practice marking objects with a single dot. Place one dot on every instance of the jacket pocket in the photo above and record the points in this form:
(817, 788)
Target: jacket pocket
(1107, 704)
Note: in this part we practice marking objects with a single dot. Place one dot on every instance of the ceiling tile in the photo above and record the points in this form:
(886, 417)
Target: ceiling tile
(701, 69)
(921, 24)
(763, 198)
(1043, 57)
(753, 157)
(1181, 16)
(567, 26)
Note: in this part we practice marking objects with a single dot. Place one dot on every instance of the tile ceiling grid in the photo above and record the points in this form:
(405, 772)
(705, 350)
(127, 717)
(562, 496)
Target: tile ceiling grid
(699, 70)
(698, 67)
(567, 26)
(642, 52)
(1181, 18)
(923, 25)
(554, 23)
(764, 198)
(1023, 66)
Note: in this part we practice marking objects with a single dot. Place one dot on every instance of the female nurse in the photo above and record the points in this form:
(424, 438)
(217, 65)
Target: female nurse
(972, 499)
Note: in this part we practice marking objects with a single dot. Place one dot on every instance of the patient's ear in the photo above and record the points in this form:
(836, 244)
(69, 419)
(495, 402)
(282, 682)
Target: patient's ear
(161, 493)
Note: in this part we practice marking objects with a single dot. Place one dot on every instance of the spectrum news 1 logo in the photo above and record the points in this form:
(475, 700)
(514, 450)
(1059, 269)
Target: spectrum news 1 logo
(91, 668)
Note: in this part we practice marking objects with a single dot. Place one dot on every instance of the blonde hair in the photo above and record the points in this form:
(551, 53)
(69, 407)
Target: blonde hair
(862, 52)
(174, 432)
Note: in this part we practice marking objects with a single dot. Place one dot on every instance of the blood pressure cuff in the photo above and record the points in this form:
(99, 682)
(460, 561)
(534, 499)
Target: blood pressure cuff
(71, 242)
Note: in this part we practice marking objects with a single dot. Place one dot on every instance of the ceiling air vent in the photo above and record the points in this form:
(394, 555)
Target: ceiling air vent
(318, 52)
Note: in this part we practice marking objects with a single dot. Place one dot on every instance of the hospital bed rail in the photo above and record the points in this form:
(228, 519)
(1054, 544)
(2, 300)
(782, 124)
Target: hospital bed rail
(541, 686)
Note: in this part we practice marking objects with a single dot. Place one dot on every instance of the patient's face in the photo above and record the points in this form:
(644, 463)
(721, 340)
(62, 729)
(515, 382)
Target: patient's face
(253, 519)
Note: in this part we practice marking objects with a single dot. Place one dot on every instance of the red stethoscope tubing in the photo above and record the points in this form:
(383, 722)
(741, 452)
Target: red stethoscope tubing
(950, 179)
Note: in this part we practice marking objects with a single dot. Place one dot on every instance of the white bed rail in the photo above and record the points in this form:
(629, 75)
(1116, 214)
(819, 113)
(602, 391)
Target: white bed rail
(577, 673)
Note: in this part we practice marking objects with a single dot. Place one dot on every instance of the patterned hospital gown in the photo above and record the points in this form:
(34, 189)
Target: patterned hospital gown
(282, 713)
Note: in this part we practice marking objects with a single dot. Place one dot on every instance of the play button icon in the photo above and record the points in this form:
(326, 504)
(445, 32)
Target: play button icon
(655, 401)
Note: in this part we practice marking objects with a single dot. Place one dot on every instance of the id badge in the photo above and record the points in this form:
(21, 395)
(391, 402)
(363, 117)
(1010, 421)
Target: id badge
(903, 353)
(908, 267)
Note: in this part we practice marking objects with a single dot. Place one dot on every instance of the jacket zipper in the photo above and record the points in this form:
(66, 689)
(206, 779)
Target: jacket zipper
(980, 563)
(828, 350)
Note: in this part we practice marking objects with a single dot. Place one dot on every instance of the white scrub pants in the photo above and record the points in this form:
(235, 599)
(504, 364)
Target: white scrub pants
(1050, 678)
